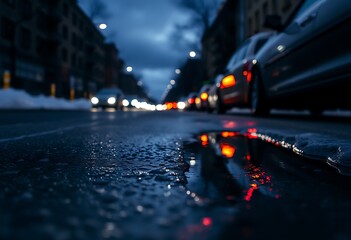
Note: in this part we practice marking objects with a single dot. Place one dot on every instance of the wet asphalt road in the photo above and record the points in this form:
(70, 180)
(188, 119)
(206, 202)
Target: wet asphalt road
(165, 175)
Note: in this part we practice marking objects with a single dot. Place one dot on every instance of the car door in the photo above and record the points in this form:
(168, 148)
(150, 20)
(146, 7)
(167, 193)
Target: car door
(333, 29)
(289, 58)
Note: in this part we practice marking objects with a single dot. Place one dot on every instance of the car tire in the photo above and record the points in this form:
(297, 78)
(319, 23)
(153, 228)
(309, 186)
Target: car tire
(258, 104)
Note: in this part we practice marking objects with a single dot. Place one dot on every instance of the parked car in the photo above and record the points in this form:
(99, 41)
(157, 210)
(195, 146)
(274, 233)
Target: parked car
(213, 94)
(307, 64)
(202, 101)
(233, 89)
(108, 98)
(190, 101)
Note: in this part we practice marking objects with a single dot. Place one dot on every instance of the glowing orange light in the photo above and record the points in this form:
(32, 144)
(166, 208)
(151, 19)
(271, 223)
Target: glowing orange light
(228, 81)
(175, 105)
(169, 106)
(206, 221)
(227, 150)
(228, 134)
(204, 138)
(204, 96)
(197, 100)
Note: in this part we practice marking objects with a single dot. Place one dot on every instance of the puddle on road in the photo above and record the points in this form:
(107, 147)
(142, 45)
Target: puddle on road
(233, 166)
(246, 185)
(226, 167)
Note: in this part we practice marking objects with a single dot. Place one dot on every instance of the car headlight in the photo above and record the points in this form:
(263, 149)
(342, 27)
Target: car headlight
(94, 100)
(125, 103)
(111, 100)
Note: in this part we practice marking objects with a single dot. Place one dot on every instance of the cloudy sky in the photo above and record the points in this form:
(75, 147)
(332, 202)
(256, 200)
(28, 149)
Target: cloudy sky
(143, 31)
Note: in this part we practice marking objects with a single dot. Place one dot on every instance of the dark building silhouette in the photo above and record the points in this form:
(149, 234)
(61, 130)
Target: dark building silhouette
(221, 39)
(50, 43)
(190, 80)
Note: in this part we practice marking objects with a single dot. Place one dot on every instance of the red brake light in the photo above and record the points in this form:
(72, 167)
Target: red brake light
(228, 81)
(191, 100)
(247, 71)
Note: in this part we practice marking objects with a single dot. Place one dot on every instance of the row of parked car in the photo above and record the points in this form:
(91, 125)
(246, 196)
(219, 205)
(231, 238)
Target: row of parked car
(302, 64)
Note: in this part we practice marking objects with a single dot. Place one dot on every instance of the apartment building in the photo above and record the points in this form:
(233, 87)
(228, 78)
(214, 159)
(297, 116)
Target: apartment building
(50, 47)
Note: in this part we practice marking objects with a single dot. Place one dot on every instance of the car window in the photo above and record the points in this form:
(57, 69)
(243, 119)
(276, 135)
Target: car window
(259, 44)
(304, 6)
(243, 51)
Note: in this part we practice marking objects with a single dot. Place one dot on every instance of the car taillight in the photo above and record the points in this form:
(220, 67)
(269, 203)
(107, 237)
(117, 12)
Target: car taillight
(228, 81)
(191, 100)
(204, 96)
(247, 71)
(197, 100)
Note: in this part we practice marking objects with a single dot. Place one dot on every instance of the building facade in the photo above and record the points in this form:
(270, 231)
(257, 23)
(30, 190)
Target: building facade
(50, 47)
(221, 39)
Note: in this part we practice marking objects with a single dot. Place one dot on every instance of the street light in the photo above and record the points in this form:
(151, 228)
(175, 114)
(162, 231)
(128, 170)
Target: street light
(129, 69)
(192, 54)
(177, 71)
(102, 26)
(172, 82)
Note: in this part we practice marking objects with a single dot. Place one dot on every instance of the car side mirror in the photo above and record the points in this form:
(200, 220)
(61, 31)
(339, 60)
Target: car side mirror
(273, 22)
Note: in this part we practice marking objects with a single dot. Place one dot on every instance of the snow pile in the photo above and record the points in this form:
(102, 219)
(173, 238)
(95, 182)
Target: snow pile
(19, 99)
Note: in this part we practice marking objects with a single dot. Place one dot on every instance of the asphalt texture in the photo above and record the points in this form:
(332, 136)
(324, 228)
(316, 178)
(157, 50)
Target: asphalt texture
(150, 175)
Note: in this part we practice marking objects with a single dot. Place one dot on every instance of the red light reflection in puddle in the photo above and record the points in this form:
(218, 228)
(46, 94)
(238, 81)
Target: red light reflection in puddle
(230, 124)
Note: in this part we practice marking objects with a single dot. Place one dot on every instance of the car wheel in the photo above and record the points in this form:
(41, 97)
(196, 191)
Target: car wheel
(258, 103)
(220, 109)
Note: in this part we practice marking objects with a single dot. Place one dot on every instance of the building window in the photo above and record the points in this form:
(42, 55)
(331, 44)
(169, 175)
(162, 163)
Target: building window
(25, 38)
(64, 55)
(7, 28)
(265, 9)
(257, 21)
(65, 32)
(73, 60)
(275, 7)
(41, 50)
(74, 19)
(74, 39)
(65, 10)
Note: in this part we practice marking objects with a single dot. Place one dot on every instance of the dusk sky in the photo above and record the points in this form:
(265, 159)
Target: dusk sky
(143, 31)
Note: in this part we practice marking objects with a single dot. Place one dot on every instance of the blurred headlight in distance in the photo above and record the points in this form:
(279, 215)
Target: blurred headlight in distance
(125, 102)
(111, 100)
(181, 105)
(159, 107)
(134, 102)
(94, 100)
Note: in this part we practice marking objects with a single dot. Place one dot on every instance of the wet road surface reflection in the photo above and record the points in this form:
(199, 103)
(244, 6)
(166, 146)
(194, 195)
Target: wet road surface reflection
(253, 189)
